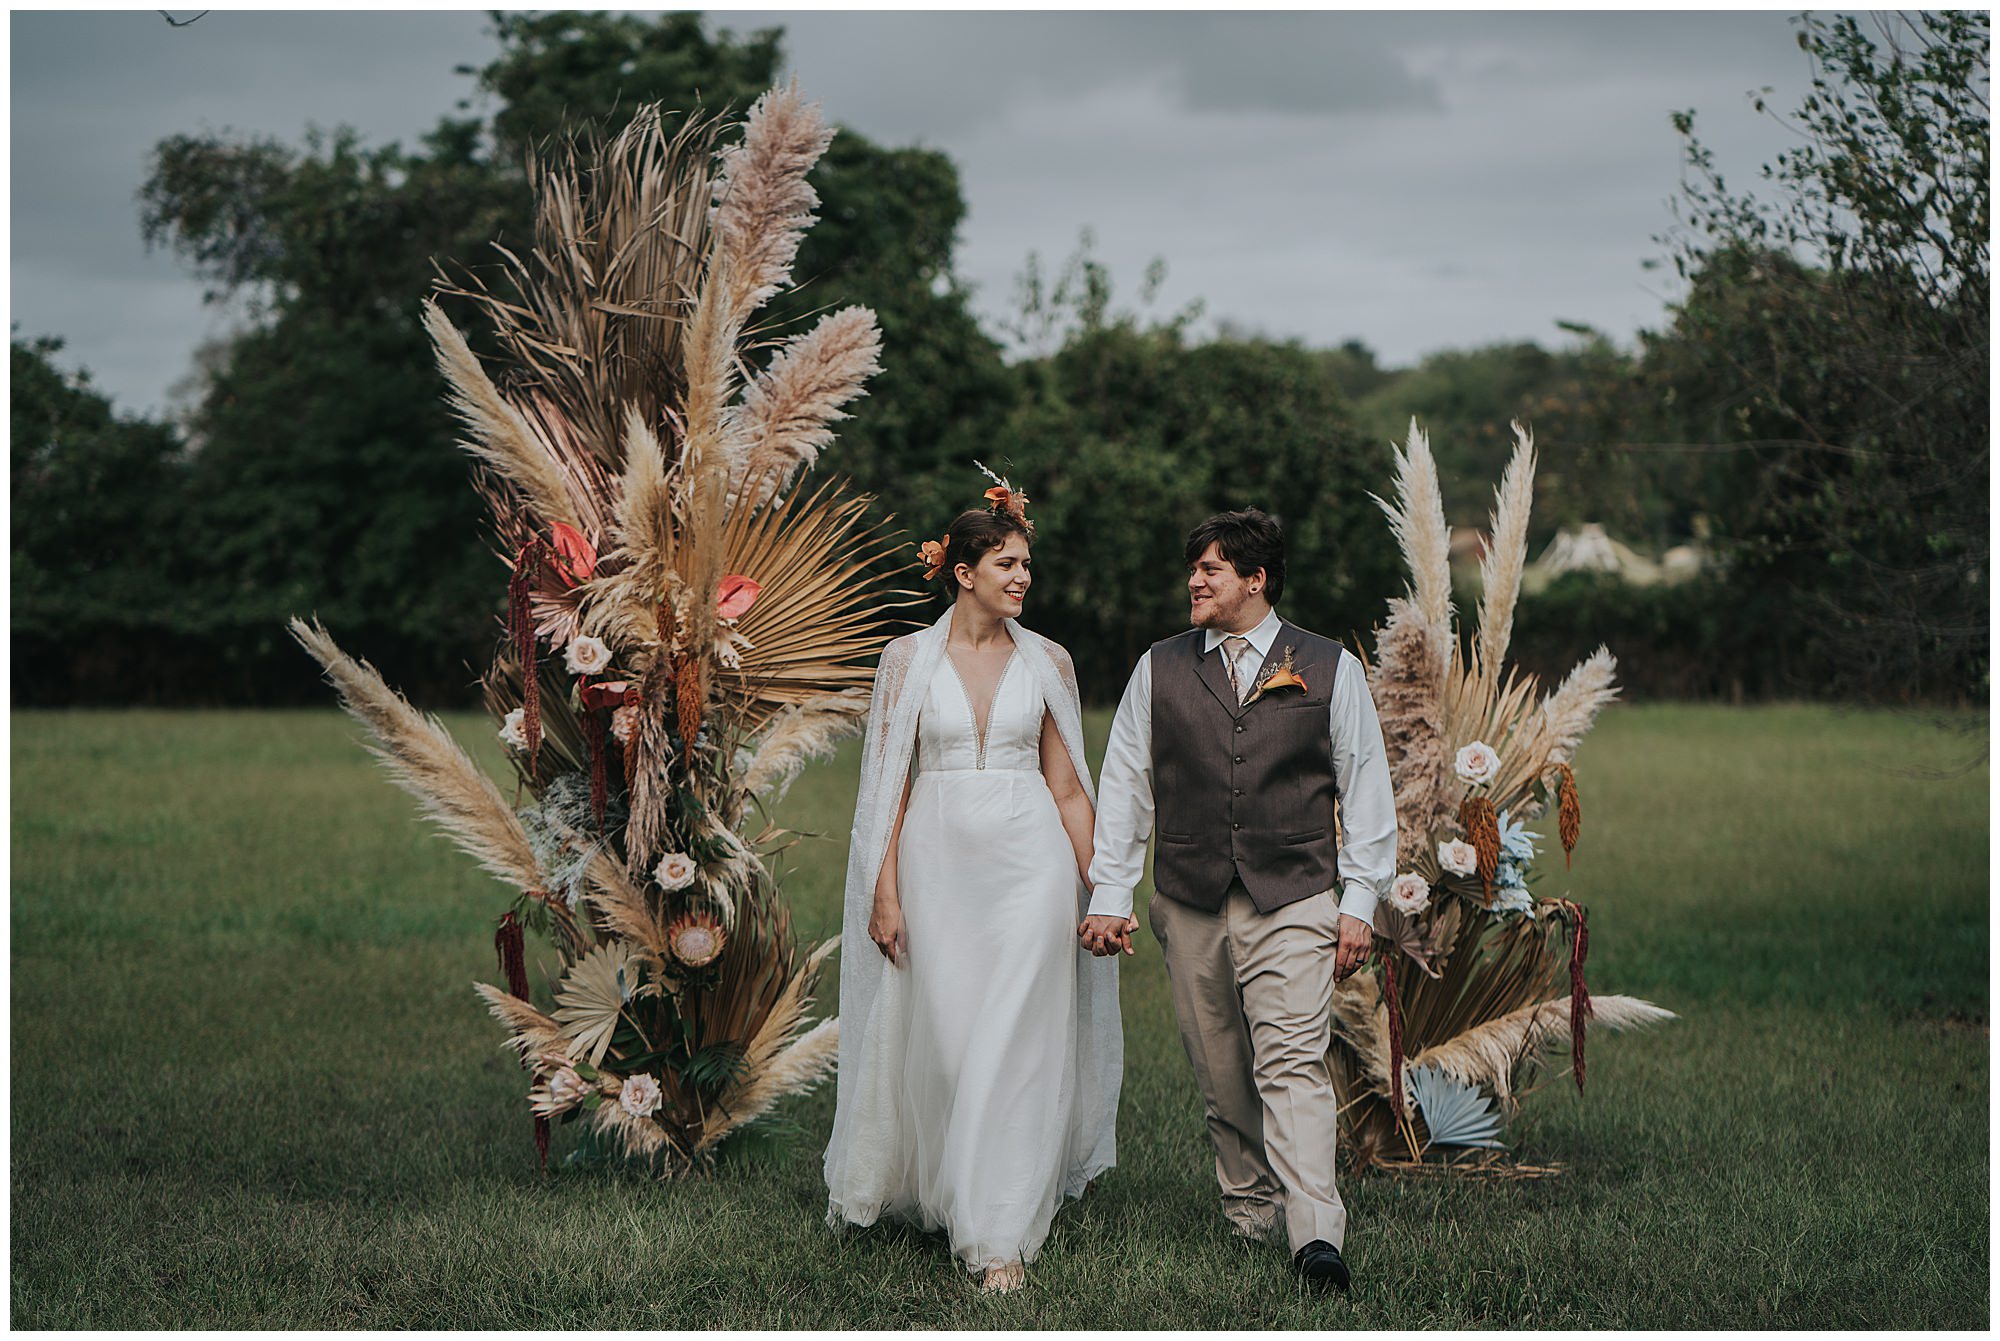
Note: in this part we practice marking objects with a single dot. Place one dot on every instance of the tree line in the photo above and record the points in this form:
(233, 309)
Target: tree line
(1814, 408)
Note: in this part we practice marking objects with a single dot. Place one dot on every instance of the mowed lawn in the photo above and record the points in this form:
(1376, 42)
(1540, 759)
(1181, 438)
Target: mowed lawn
(252, 1085)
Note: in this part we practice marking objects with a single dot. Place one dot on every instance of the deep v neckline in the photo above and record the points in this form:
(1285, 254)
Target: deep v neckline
(979, 728)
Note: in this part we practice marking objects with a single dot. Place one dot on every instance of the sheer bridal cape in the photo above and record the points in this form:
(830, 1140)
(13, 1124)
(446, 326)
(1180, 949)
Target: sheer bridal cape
(978, 1082)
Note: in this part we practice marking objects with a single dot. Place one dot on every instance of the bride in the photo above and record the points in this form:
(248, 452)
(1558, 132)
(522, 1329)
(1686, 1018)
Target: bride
(980, 1052)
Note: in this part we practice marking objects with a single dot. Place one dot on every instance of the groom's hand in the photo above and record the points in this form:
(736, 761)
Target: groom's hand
(1103, 935)
(1356, 939)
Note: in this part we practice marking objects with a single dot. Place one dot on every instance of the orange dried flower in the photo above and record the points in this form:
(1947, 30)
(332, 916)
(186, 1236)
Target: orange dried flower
(688, 696)
(932, 554)
(1569, 811)
(1482, 830)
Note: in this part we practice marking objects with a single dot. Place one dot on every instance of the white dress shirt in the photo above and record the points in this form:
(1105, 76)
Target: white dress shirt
(1360, 769)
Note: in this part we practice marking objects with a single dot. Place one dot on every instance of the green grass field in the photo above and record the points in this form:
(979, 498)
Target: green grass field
(252, 1085)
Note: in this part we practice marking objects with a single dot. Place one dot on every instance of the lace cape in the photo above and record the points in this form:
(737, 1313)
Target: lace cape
(907, 664)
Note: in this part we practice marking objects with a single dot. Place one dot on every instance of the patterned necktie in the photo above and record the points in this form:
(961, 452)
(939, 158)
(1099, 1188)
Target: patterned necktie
(1233, 648)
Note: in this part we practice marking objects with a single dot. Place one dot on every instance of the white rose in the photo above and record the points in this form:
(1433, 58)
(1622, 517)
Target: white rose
(586, 655)
(514, 732)
(1477, 763)
(675, 871)
(625, 723)
(1410, 894)
(566, 1087)
(1459, 857)
(639, 1095)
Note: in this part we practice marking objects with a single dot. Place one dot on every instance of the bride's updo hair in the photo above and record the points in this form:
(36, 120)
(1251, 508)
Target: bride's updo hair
(974, 534)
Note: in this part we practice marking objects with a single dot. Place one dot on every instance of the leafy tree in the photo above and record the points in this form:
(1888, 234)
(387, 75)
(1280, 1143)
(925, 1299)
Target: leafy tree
(1835, 337)
(93, 543)
(327, 472)
(1128, 435)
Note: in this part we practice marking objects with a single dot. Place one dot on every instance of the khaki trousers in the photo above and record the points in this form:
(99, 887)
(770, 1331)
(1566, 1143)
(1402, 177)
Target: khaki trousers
(1252, 993)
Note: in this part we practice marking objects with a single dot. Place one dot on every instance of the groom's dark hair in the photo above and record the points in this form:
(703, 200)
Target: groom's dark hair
(1249, 539)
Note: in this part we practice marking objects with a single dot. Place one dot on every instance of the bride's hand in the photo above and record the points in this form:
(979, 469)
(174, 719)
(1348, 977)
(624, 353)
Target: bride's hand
(885, 928)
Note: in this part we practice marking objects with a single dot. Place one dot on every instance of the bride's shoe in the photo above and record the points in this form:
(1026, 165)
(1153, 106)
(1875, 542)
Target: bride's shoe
(1003, 1277)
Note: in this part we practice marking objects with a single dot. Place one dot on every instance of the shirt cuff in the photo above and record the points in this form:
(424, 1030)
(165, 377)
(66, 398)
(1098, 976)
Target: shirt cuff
(1110, 901)
(1358, 900)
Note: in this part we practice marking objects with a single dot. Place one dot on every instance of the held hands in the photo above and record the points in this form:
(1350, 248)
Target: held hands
(1102, 935)
(885, 928)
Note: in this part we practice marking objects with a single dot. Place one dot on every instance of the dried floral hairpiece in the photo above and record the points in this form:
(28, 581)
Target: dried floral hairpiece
(1004, 497)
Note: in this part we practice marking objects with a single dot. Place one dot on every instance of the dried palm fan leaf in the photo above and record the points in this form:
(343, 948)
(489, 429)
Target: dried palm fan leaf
(824, 604)
(591, 998)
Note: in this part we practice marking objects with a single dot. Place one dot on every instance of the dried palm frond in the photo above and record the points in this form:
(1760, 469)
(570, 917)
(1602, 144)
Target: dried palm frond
(1506, 552)
(599, 308)
(787, 413)
(821, 614)
(591, 997)
(426, 762)
(779, 1059)
(1454, 1113)
(764, 203)
(1488, 1054)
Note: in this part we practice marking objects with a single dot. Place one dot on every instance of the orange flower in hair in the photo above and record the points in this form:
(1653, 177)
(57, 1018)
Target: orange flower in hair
(1004, 497)
(932, 553)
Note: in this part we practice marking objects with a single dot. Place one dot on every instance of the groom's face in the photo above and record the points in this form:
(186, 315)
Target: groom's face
(1217, 593)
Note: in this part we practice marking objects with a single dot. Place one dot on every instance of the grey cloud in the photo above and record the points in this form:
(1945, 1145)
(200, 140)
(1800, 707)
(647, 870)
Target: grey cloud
(1418, 180)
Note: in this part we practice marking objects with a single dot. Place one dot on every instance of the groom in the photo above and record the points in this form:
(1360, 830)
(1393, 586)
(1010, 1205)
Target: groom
(1233, 741)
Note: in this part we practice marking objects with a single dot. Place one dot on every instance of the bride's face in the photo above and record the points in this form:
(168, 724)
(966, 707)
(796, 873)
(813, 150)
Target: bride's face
(1000, 582)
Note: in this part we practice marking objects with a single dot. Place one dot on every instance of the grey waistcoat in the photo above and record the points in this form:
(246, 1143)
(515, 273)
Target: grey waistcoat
(1242, 793)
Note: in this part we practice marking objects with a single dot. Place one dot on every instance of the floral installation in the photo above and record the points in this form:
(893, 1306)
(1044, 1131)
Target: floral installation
(683, 628)
(1477, 978)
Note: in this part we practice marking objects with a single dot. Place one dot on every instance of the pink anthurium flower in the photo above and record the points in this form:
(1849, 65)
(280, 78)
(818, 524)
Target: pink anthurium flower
(735, 595)
(576, 556)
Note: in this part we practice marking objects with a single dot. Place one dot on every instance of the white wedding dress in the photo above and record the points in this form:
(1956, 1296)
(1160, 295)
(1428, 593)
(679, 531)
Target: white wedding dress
(974, 1099)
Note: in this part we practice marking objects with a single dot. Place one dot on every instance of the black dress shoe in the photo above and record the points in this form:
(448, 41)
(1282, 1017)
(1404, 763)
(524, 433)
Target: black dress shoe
(1319, 1262)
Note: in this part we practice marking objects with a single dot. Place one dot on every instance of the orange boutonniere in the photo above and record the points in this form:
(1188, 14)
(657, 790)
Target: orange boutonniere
(932, 553)
(1281, 676)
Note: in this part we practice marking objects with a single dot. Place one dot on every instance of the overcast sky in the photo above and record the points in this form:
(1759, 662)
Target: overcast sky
(1418, 181)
